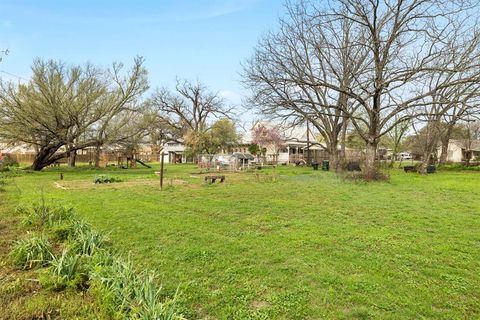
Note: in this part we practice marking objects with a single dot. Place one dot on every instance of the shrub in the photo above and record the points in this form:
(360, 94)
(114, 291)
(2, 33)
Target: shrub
(126, 294)
(8, 163)
(68, 270)
(41, 214)
(103, 178)
(85, 240)
(62, 232)
(30, 252)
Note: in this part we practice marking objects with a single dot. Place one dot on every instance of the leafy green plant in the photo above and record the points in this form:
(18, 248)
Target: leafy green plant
(62, 232)
(127, 294)
(86, 240)
(42, 214)
(30, 252)
(103, 178)
(85, 262)
(68, 270)
(11, 171)
(8, 163)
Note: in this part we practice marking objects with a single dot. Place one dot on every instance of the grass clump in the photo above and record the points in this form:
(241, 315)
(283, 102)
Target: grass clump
(31, 252)
(41, 214)
(68, 270)
(86, 262)
(85, 240)
(3, 183)
(125, 293)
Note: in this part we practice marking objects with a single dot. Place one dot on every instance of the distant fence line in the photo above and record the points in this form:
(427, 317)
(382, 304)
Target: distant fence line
(320, 155)
(85, 157)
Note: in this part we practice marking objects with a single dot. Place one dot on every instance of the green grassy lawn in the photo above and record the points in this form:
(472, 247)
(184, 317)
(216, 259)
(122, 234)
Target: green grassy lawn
(310, 245)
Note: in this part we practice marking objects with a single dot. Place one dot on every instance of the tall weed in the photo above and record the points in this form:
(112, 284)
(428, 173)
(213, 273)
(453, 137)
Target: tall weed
(30, 252)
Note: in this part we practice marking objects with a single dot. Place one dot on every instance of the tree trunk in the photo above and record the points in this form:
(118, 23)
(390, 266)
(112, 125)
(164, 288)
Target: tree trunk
(427, 157)
(370, 154)
(343, 155)
(334, 161)
(392, 160)
(97, 156)
(333, 156)
(44, 158)
(427, 154)
(445, 141)
(72, 158)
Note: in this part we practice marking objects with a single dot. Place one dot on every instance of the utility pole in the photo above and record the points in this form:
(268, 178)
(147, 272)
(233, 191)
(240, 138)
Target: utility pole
(161, 170)
(309, 162)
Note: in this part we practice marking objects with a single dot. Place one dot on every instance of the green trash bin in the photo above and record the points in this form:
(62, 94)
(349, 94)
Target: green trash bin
(325, 165)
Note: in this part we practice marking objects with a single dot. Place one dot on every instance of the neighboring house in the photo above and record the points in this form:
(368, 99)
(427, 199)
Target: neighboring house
(295, 145)
(462, 150)
(294, 149)
(174, 152)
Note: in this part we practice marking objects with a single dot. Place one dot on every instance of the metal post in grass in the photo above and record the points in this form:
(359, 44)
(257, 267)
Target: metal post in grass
(161, 171)
(309, 162)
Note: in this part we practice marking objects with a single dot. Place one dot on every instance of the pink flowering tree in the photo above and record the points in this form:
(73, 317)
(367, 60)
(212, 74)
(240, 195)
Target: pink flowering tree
(267, 138)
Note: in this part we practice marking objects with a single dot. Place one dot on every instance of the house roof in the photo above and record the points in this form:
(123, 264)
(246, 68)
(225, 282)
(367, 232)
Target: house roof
(290, 134)
(21, 148)
(240, 155)
(473, 145)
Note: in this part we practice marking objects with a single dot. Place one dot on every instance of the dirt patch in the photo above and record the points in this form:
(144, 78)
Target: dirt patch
(259, 305)
(84, 185)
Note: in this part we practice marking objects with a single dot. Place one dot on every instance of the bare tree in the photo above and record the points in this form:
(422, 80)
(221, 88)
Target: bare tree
(294, 73)
(453, 91)
(189, 110)
(400, 42)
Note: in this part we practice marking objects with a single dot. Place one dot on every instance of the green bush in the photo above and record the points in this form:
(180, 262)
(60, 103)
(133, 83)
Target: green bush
(40, 214)
(31, 252)
(86, 240)
(126, 294)
(8, 163)
(62, 232)
(68, 270)
(103, 178)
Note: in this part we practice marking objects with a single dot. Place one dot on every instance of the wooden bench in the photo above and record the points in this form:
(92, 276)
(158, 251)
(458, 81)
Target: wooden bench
(214, 178)
(410, 169)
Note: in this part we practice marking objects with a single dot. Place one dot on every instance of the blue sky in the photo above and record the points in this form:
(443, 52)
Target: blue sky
(193, 39)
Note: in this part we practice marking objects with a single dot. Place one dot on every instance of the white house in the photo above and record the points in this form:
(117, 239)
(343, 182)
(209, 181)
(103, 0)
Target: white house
(295, 145)
(174, 152)
(461, 150)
